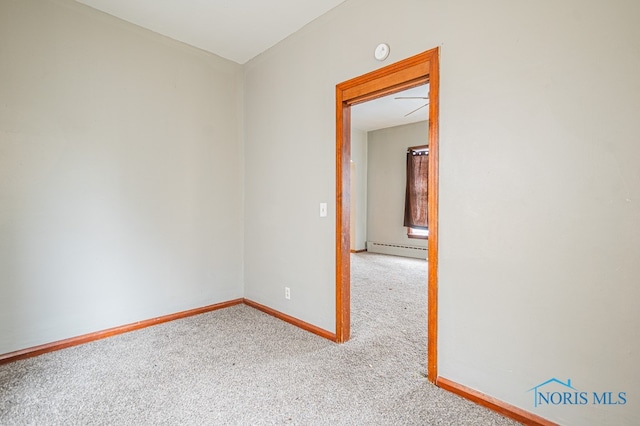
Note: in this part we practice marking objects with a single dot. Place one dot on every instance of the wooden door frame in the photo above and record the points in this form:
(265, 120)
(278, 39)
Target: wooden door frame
(408, 73)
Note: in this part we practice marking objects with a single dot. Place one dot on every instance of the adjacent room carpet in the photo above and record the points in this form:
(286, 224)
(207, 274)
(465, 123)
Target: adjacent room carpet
(238, 366)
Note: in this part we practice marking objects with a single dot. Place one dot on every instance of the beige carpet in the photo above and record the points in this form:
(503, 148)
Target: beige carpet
(238, 366)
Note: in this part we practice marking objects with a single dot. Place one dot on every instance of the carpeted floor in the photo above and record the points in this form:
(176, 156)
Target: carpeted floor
(238, 366)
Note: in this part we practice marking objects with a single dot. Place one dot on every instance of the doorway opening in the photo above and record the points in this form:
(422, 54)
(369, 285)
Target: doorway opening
(414, 71)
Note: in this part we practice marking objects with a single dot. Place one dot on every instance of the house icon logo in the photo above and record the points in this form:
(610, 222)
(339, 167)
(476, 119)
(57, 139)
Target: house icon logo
(541, 397)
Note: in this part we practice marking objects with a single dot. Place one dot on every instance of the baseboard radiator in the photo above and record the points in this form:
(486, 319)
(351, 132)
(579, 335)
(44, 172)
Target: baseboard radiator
(397, 249)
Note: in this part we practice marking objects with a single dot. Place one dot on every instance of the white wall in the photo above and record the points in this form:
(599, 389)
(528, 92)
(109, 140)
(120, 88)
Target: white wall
(387, 180)
(539, 185)
(359, 150)
(120, 174)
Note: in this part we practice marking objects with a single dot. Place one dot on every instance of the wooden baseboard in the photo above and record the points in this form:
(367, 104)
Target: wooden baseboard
(86, 338)
(358, 251)
(494, 404)
(291, 320)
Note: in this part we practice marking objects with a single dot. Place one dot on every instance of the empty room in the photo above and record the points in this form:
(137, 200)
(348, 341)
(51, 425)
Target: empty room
(176, 199)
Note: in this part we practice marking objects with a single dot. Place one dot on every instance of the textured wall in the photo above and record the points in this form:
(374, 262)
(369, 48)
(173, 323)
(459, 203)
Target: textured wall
(387, 182)
(539, 184)
(359, 149)
(120, 174)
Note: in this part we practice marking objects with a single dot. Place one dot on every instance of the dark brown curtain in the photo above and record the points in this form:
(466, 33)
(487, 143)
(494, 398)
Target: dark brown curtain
(415, 202)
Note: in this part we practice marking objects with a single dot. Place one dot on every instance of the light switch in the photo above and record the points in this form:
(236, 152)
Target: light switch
(323, 209)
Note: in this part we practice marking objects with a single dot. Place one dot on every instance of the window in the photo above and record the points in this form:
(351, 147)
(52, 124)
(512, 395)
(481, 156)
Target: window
(415, 203)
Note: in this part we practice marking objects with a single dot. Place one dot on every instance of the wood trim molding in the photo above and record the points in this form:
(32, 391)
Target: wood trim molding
(358, 251)
(432, 213)
(86, 338)
(398, 76)
(411, 72)
(395, 81)
(291, 320)
(343, 218)
(494, 404)
(90, 337)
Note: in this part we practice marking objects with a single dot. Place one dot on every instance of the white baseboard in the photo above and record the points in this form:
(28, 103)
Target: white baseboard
(397, 249)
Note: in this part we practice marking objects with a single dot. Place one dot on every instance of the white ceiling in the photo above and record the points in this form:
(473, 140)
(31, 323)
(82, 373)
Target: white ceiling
(234, 29)
(390, 112)
(239, 30)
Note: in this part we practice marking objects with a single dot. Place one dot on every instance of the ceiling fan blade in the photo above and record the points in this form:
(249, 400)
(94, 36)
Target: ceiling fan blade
(417, 109)
(411, 97)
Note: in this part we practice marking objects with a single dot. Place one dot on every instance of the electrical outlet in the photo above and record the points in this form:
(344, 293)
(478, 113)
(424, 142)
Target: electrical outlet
(287, 293)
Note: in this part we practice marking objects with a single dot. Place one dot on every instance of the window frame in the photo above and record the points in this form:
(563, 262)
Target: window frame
(414, 232)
